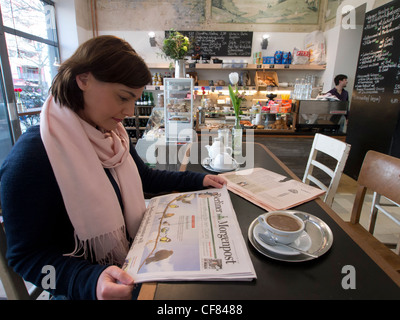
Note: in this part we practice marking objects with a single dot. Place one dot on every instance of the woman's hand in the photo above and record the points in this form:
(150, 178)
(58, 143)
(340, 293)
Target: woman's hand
(213, 181)
(114, 284)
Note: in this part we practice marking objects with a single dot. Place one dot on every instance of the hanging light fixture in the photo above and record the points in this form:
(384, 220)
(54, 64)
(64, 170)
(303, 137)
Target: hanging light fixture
(152, 39)
(264, 42)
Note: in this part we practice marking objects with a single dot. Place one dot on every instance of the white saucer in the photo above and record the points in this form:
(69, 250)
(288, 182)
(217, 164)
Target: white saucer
(303, 243)
(224, 169)
(206, 163)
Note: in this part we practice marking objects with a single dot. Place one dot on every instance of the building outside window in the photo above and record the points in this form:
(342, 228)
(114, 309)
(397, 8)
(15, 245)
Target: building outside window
(28, 29)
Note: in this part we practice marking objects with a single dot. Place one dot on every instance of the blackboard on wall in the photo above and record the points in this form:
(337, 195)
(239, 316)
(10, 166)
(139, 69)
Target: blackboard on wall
(219, 43)
(375, 105)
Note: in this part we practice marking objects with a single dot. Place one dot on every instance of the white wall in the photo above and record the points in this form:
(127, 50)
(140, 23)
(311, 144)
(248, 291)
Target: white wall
(72, 24)
(66, 27)
(331, 41)
(342, 55)
(74, 27)
(343, 45)
(140, 42)
(71, 35)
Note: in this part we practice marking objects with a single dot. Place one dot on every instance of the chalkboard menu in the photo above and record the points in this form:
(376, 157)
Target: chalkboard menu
(378, 73)
(375, 104)
(219, 43)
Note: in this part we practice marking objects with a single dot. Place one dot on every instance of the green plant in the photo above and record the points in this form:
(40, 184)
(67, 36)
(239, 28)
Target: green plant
(176, 46)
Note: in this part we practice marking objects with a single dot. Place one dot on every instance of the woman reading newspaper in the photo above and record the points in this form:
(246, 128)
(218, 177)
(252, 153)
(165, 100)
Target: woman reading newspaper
(72, 188)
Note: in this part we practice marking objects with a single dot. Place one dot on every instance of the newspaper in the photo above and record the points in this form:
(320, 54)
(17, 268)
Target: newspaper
(189, 236)
(269, 190)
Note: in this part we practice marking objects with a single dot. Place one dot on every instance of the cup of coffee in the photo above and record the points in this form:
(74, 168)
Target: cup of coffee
(284, 227)
(223, 161)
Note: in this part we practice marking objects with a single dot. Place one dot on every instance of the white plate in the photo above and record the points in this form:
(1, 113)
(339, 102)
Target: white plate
(206, 163)
(303, 242)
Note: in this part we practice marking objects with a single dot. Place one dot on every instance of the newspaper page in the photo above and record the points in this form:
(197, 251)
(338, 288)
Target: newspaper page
(269, 190)
(190, 236)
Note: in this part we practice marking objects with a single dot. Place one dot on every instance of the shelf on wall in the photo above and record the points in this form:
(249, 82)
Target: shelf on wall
(219, 66)
(220, 88)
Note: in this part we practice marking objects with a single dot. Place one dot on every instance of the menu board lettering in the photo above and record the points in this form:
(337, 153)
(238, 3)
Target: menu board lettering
(378, 71)
(219, 43)
(374, 117)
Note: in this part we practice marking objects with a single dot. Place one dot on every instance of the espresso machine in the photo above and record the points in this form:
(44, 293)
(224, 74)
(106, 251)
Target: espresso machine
(322, 116)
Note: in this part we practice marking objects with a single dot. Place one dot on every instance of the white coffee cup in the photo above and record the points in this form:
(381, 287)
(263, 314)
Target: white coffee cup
(223, 161)
(282, 226)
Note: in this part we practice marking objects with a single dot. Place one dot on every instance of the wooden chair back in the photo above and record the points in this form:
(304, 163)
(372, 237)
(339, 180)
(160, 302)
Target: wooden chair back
(379, 173)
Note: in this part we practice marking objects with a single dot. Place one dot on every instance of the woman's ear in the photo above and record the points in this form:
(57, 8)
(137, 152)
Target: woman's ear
(82, 80)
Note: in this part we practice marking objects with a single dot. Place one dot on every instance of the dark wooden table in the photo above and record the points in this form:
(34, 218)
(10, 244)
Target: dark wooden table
(320, 278)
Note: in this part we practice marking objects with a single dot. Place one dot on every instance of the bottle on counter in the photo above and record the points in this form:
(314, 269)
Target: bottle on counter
(140, 100)
(160, 99)
(151, 99)
(145, 99)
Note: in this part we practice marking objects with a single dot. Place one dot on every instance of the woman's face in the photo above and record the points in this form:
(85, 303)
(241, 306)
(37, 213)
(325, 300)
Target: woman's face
(106, 104)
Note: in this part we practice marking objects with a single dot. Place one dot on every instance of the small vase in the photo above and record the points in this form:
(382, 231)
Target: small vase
(237, 138)
(20, 105)
(180, 71)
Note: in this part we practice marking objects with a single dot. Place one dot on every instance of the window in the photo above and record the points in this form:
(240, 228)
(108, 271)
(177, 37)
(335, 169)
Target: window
(29, 31)
(5, 134)
(34, 17)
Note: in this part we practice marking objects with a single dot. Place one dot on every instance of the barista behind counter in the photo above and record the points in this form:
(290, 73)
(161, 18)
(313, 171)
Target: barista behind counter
(339, 90)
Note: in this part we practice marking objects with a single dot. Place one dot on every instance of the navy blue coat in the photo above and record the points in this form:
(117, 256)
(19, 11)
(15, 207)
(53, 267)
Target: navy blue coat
(37, 225)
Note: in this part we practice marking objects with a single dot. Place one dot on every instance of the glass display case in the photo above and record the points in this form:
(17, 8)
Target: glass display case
(155, 124)
(178, 110)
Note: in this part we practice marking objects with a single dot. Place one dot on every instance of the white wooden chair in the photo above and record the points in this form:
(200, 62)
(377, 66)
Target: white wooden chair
(337, 150)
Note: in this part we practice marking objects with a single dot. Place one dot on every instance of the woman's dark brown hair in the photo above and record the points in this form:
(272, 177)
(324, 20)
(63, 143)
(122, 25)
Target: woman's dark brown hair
(109, 59)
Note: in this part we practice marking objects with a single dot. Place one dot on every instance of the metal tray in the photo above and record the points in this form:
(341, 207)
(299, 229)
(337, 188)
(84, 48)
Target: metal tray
(206, 165)
(319, 232)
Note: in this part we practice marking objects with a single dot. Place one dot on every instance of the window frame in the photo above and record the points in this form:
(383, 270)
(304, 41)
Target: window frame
(6, 68)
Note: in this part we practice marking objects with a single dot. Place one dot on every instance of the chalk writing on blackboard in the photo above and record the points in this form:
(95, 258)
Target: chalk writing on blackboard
(378, 71)
(220, 43)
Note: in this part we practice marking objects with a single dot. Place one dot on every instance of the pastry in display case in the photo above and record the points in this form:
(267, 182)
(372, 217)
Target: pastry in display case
(178, 110)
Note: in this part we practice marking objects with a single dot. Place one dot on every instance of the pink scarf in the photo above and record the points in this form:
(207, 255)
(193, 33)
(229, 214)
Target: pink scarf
(78, 154)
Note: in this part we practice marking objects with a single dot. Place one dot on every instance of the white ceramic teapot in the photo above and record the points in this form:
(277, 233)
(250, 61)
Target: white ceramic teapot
(216, 148)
